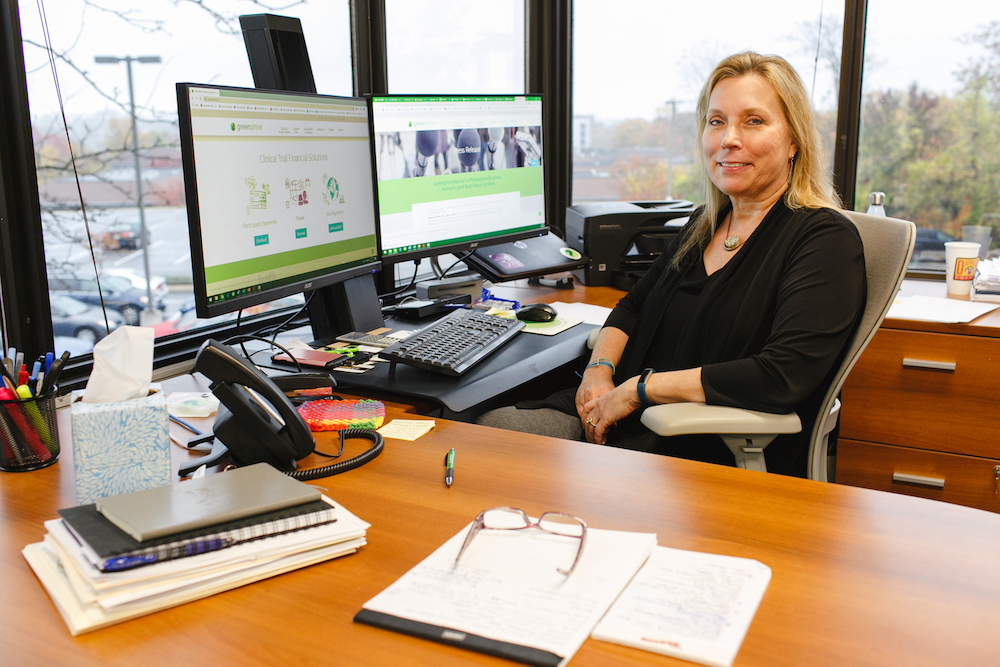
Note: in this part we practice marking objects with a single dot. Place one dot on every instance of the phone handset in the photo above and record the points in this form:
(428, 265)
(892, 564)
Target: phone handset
(256, 423)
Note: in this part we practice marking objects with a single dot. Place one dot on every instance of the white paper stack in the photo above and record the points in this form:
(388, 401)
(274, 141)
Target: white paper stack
(88, 598)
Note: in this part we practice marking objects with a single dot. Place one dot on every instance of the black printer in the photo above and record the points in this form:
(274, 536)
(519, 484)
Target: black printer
(622, 238)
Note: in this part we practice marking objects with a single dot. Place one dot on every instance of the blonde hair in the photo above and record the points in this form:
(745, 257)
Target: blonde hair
(809, 186)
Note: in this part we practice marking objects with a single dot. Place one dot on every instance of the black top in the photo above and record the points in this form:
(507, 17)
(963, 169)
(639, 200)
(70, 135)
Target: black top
(768, 329)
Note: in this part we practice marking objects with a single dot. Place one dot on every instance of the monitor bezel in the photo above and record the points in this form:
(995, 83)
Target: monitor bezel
(460, 246)
(203, 307)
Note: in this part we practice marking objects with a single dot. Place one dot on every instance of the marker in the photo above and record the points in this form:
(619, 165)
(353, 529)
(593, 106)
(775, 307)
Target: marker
(53, 375)
(49, 358)
(449, 465)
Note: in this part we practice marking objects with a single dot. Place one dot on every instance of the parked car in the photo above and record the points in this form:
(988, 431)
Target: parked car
(186, 319)
(74, 318)
(930, 244)
(74, 346)
(118, 292)
(123, 235)
(159, 283)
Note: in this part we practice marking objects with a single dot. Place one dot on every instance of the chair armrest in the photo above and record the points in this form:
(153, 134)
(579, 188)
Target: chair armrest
(696, 418)
(745, 432)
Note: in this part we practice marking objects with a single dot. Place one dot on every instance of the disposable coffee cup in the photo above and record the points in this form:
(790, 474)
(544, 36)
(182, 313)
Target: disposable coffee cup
(961, 259)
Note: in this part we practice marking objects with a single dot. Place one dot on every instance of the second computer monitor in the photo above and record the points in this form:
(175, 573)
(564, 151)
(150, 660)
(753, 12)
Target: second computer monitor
(457, 172)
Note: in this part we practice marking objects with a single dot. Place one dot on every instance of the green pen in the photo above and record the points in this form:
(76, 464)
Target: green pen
(449, 465)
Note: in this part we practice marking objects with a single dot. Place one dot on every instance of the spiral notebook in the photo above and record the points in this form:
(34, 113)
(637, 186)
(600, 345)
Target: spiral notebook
(105, 544)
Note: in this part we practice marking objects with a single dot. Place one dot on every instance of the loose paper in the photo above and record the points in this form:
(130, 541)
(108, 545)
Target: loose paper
(688, 605)
(938, 309)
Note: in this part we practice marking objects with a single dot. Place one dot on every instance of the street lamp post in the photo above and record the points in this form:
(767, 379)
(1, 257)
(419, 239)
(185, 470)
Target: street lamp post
(670, 150)
(128, 60)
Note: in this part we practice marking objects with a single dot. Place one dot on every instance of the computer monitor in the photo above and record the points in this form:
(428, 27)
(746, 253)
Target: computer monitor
(457, 172)
(280, 193)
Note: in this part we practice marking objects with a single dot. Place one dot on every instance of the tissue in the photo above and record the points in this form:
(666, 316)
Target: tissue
(121, 441)
(123, 366)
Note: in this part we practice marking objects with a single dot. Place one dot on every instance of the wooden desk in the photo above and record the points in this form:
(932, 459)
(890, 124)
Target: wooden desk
(860, 577)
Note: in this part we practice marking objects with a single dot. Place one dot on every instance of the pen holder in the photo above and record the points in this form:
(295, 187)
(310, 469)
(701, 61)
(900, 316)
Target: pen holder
(29, 435)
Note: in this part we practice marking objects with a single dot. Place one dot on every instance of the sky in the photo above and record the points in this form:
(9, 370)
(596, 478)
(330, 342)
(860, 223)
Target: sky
(627, 62)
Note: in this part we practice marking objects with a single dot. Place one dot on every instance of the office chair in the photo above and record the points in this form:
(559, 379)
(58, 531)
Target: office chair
(888, 245)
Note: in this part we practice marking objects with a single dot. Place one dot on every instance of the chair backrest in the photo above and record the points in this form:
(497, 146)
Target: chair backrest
(888, 246)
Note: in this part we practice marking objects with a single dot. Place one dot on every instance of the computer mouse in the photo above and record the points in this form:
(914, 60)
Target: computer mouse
(536, 312)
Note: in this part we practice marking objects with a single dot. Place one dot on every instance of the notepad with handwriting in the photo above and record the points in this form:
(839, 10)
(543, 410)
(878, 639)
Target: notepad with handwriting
(507, 597)
(689, 605)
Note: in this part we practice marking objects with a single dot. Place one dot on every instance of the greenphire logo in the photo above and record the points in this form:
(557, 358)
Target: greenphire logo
(232, 126)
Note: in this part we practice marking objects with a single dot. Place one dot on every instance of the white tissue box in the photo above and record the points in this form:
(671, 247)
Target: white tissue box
(120, 447)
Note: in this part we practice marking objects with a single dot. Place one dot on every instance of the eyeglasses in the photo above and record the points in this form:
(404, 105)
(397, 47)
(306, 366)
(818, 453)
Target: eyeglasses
(511, 518)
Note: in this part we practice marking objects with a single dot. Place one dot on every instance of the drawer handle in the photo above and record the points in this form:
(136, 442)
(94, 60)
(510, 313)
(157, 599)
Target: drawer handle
(948, 366)
(934, 482)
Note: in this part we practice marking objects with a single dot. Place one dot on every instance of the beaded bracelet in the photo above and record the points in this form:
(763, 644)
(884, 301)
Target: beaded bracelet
(601, 362)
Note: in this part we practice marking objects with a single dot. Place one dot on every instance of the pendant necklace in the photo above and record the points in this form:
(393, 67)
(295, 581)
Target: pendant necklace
(732, 240)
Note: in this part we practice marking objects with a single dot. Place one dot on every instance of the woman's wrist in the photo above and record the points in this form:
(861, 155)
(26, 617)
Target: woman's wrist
(601, 363)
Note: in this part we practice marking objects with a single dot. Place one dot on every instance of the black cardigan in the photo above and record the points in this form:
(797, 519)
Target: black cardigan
(768, 331)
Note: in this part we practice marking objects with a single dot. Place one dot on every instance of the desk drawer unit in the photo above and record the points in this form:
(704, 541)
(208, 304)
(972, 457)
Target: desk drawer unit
(934, 400)
(926, 390)
(952, 478)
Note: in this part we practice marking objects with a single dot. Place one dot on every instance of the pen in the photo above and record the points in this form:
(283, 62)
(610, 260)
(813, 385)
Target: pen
(449, 465)
(191, 547)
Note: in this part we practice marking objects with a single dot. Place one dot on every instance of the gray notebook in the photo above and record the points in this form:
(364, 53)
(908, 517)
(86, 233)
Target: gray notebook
(196, 503)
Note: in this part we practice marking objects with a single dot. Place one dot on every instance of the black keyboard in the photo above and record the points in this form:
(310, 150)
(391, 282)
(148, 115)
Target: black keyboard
(455, 343)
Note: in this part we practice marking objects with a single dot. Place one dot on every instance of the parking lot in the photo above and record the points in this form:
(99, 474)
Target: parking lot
(66, 248)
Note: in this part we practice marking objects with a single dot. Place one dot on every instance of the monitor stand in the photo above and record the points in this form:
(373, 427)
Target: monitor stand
(352, 305)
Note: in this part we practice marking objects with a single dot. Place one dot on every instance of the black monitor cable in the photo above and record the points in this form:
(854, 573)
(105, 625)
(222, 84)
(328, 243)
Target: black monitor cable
(242, 338)
(277, 329)
(456, 263)
(416, 265)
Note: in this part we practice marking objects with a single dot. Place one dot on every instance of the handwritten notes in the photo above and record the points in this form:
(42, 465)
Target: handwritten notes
(688, 605)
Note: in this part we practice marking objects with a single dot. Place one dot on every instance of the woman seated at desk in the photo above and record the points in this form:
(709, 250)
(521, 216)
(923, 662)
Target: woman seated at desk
(753, 303)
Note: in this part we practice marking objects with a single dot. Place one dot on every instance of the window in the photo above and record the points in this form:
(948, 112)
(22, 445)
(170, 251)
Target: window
(174, 41)
(930, 119)
(637, 75)
(455, 46)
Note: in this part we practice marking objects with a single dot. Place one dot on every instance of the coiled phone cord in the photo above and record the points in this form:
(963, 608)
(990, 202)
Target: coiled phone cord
(378, 443)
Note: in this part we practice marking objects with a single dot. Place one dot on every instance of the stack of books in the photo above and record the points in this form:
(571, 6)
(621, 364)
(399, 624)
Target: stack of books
(129, 555)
